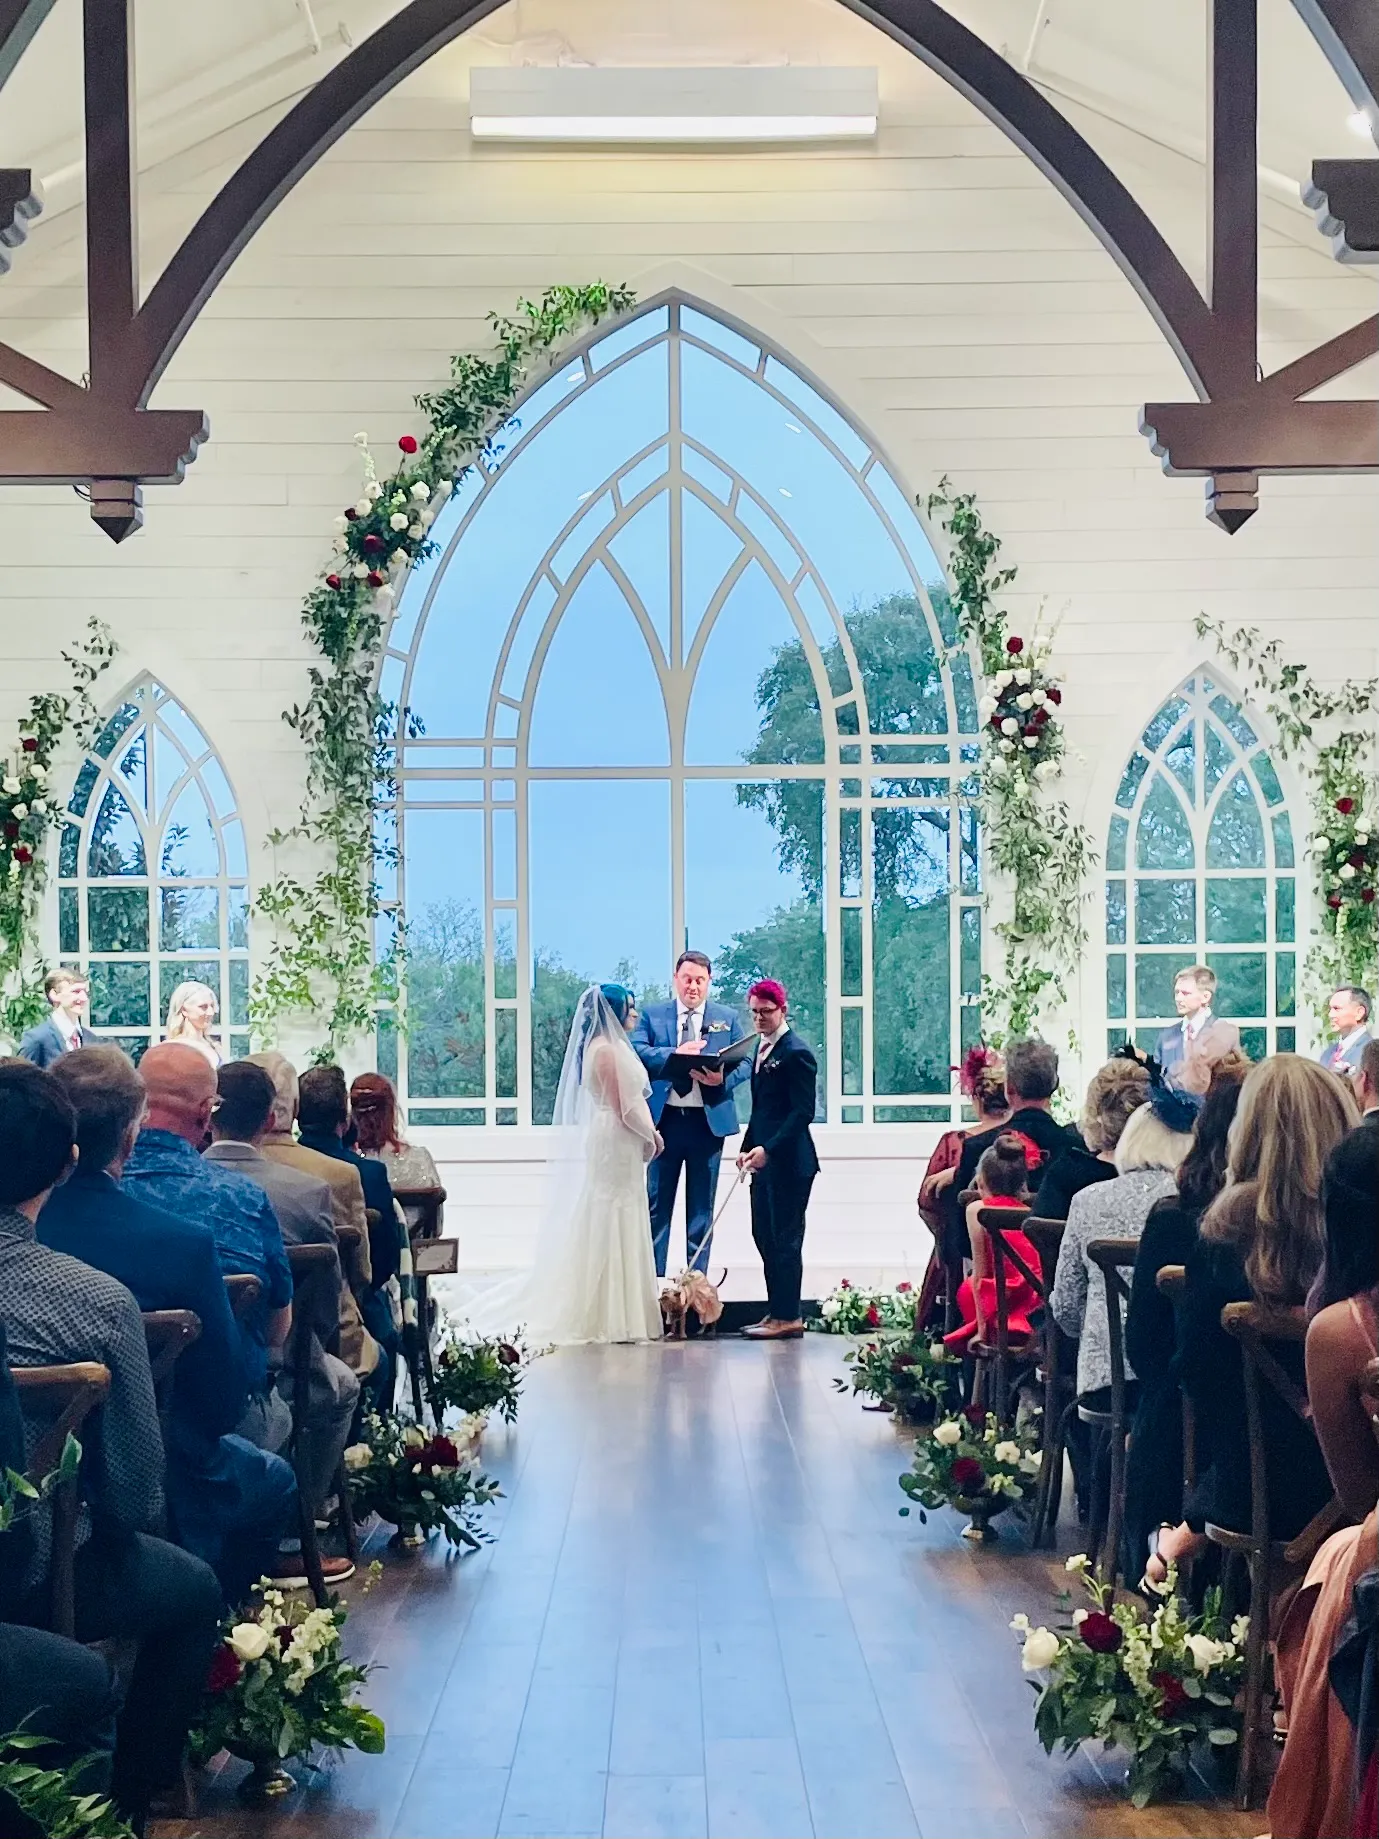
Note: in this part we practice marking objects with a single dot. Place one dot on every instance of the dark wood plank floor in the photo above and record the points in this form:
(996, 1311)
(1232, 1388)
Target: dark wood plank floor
(703, 1615)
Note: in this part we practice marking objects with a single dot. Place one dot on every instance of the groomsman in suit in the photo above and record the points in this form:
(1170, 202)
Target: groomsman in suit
(1193, 1046)
(693, 1115)
(778, 1153)
(1348, 1012)
(69, 997)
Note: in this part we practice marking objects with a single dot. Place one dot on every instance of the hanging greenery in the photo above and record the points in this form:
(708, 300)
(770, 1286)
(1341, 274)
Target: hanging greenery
(1032, 842)
(1340, 761)
(322, 960)
(28, 811)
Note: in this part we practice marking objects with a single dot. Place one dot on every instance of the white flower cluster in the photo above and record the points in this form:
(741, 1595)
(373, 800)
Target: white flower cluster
(313, 1641)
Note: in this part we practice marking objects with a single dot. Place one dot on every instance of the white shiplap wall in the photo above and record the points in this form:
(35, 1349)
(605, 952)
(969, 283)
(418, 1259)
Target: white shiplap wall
(934, 282)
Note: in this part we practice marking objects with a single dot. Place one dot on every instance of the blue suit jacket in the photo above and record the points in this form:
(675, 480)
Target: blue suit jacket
(1346, 1062)
(656, 1037)
(43, 1044)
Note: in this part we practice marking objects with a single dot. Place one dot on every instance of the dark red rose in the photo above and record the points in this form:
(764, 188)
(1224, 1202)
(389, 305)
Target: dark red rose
(1101, 1633)
(1172, 1697)
(408, 443)
(1031, 729)
(872, 1319)
(508, 1354)
(845, 1284)
(351, 513)
(903, 1289)
(23, 853)
(1367, 895)
(224, 1670)
(372, 544)
(997, 718)
(373, 578)
(284, 1639)
(29, 743)
(1333, 901)
(1015, 647)
(975, 1415)
(969, 1477)
(441, 1453)
(1053, 693)
(1041, 716)
(1356, 858)
(333, 581)
(1345, 806)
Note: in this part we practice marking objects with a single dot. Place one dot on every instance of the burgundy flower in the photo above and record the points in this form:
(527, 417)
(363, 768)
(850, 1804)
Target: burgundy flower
(408, 443)
(1053, 693)
(1015, 647)
(1333, 901)
(1041, 715)
(903, 1289)
(373, 578)
(441, 1453)
(968, 1475)
(845, 1283)
(372, 544)
(224, 1670)
(23, 853)
(1356, 858)
(1367, 895)
(1345, 806)
(29, 743)
(508, 1354)
(333, 581)
(351, 513)
(1172, 1697)
(1101, 1633)
(872, 1319)
(975, 1415)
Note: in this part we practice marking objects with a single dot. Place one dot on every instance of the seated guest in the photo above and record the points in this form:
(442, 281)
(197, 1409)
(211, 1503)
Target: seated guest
(378, 1137)
(346, 1189)
(166, 1170)
(1154, 1464)
(130, 1584)
(69, 1002)
(1260, 1241)
(228, 1501)
(302, 1205)
(1148, 1153)
(1190, 1048)
(981, 1080)
(1002, 1174)
(1314, 1791)
(1365, 1080)
(1349, 1013)
(1116, 1092)
(1031, 1081)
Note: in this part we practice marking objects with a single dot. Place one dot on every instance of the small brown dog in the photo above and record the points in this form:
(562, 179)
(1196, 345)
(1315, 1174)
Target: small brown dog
(691, 1293)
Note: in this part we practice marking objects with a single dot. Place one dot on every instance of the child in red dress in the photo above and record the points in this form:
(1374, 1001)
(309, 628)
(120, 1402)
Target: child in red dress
(1002, 1181)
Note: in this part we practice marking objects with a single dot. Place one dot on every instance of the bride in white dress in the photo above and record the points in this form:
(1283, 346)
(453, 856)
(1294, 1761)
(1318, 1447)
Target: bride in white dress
(594, 1278)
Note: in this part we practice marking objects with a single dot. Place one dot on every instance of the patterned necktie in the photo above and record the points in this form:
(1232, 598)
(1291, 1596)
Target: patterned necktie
(689, 1027)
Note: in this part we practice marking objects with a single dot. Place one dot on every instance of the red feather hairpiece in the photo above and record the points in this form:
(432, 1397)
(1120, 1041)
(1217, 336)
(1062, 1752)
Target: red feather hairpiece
(974, 1061)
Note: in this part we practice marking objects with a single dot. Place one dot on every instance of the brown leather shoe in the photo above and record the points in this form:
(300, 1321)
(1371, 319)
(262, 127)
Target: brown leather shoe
(290, 1573)
(772, 1330)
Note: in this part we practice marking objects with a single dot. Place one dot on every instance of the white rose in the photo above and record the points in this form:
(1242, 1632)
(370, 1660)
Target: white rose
(1031, 742)
(1321, 846)
(40, 805)
(1023, 677)
(1031, 1462)
(357, 1456)
(1003, 679)
(1077, 1564)
(398, 521)
(19, 810)
(373, 491)
(427, 515)
(339, 545)
(1020, 1624)
(416, 532)
(1205, 1652)
(1007, 1452)
(421, 490)
(829, 1308)
(986, 708)
(1024, 701)
(341, 524)
(10, 785)
(1040, 697)
(948, 1433)
(1080, 1616)
(15, 866)
(1010, 725)
(1007, 747)
(249, 1642)
(1347, 871)
(40, 773)
(1047, 769)
(1362, 836)
(1040, 1651)
(360, 571)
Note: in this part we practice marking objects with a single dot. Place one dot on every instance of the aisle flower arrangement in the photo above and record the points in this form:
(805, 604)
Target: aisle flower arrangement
(280, 1687)
(477, 1375)
(418, 1483)
(971, 1462)
(853, 1309)
(903, 1372)
(1150, 1684)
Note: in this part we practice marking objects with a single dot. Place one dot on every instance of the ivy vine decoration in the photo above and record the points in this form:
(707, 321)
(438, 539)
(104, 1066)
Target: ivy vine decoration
(1341, 763)
(322, 960)
(1031, 838)
(28, 811)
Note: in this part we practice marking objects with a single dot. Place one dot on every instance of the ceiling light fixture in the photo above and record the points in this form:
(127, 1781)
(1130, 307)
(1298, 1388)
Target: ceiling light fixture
(576, 103)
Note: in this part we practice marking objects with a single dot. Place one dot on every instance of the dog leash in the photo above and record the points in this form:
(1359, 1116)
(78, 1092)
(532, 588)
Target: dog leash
(741, 1177)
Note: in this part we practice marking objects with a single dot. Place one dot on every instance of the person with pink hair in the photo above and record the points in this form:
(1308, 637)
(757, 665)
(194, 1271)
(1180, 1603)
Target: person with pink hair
(778, 1153)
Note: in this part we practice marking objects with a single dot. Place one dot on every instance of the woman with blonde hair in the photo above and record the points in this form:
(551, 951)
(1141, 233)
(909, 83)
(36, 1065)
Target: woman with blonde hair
(192, 1008)
(1114, 1094)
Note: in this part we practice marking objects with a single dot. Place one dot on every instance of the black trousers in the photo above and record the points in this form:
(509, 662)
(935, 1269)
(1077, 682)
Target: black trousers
(779, 1200)
(56, 1689)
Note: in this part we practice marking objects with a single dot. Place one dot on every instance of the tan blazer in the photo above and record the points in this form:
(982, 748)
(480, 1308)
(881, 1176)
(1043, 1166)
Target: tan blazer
(1212, 1045)
(358, 1349)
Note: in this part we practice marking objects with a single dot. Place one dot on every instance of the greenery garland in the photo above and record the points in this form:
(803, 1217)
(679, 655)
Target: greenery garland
(322, 959)
(1341, 764)
(28, 811)
(1032, 842)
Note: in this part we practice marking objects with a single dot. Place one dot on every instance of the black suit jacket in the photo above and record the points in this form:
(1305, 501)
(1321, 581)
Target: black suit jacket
(784, 1093)
(43, 1044)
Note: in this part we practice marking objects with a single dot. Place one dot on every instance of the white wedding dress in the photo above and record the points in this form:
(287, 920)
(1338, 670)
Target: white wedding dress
(594, 1278)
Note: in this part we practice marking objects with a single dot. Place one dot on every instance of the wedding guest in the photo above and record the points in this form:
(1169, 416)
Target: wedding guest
(1115, 1093)
(1365, 1080)
(130, 1584)
(1031, 1081)
(1348, 1013)
(1154, 1463)
(378, 1136)
(167, 1171)
(1002, 1177)
(981, 1080)
(778, 1153)
(1192, 1046)
(69, 1001)
(228, 1501)
(192, 1008)
(1314, 1791)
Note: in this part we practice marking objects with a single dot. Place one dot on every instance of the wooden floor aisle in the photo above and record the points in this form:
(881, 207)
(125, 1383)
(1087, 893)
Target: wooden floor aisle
(702, 1615)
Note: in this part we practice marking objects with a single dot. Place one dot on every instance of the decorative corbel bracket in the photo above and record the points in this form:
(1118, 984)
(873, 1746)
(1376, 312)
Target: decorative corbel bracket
(1344, 194)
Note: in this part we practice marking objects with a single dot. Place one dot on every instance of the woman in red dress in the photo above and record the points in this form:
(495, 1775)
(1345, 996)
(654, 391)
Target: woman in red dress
(982, 1079)
(1002, 1181)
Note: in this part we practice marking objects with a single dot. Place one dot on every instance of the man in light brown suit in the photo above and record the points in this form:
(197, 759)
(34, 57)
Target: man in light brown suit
(1193, 1046)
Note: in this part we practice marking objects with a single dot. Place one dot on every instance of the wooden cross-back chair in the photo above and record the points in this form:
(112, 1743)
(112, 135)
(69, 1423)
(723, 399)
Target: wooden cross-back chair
(63, 1397)
(1261, 1332)
(244, 1291)
(994, 1358)
(169, 1333)
(1057, 1360)
(1112, 1257)
(1172, 1283)
(315, 1296)
(432, 1256)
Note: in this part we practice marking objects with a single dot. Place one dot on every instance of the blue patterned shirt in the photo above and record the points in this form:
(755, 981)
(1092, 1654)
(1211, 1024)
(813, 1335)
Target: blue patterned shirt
(165, 1171)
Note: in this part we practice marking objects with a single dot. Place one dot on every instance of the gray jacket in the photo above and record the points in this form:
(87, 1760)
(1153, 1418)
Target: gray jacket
(1109, 1210)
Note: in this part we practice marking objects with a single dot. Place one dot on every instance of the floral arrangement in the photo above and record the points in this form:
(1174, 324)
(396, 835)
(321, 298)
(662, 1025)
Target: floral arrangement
(1040, 853)
(322, 955)
(28, 811)
(280, 1687)
(1336, 734)
(974, 1464)
(418, 1484)
(1151, 1685)
(478, 1375)
(904, 1373)
(55, 1800)
(852, 1310)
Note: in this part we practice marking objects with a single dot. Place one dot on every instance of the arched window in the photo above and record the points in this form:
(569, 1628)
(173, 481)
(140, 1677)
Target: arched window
(152, 881)
(1200, 868)
(680, 665)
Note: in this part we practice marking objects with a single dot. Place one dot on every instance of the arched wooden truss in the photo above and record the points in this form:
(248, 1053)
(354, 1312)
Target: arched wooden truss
(1240, 426)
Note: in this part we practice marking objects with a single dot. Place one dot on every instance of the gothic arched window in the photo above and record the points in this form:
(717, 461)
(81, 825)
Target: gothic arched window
(1200, 868)
(680, 663)
(153, 885)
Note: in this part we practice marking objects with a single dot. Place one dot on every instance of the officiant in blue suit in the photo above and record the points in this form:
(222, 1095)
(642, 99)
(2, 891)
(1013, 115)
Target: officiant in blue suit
(693, 1114)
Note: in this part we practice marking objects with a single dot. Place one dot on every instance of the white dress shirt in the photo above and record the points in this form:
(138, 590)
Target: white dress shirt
(768, 1042)
(693, 1100)
(67, 1028)
(1194, 1024)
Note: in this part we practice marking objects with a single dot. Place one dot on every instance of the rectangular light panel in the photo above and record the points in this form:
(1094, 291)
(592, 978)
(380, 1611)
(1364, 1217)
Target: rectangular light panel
(575, 103)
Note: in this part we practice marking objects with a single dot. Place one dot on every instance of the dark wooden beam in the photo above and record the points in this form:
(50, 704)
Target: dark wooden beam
(19, 205)
(1344, 194)
(19, 20)
(1348, 33)
(1233, 185)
